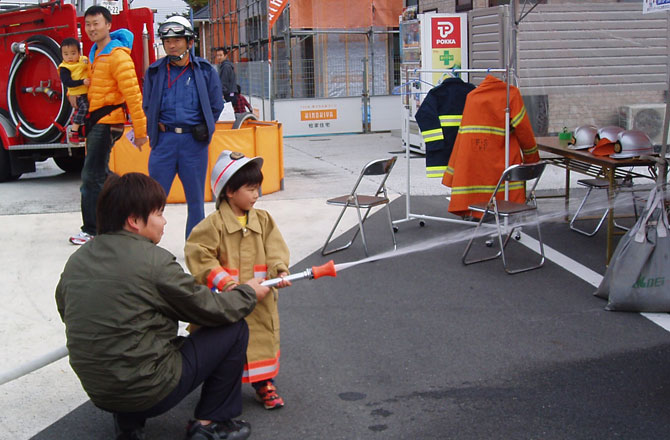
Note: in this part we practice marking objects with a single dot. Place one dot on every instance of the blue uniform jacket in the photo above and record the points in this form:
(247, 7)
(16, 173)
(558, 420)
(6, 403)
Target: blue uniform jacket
(207, 83)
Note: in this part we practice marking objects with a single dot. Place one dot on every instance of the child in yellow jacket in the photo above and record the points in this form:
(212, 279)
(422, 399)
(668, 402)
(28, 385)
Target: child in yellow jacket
(74, 74)
(234, 244)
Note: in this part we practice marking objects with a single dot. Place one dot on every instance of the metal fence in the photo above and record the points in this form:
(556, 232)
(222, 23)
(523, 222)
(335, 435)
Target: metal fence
(253, 78)
(308, 78)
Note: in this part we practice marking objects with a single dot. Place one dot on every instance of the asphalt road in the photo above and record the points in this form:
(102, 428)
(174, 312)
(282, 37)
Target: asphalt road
(419, 347)
(48, 190)
(412, 347)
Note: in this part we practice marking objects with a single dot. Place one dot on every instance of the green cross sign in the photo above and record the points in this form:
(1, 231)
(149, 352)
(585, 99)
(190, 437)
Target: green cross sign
(446, 58)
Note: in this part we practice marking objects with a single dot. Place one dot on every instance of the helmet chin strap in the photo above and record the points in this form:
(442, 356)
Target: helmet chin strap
(177, 58)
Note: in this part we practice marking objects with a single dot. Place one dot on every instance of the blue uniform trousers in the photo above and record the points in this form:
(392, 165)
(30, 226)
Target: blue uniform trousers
(180, 154)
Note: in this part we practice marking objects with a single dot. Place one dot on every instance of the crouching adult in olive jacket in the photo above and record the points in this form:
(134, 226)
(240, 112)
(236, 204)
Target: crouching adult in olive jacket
(121, 297)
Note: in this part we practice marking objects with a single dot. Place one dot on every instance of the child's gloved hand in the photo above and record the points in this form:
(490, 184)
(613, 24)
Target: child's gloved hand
(283, 283)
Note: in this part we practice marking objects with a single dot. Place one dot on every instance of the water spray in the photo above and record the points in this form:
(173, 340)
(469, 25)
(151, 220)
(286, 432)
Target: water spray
(325, 270)
(331, 269)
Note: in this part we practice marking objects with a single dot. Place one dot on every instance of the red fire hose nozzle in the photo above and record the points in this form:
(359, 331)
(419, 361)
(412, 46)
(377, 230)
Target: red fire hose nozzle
(324, 270)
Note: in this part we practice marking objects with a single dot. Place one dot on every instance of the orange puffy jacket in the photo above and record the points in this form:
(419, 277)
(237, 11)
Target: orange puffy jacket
(113, 81)
(478, 159)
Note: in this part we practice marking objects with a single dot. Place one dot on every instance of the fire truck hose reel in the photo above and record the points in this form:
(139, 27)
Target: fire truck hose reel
(18, 47)
(47, 47)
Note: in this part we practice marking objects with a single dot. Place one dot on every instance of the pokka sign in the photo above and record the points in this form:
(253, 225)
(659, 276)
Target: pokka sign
(446, 32)
(446, 43)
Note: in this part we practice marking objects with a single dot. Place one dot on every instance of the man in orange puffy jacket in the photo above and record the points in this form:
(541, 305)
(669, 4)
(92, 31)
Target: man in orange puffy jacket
(113, 83)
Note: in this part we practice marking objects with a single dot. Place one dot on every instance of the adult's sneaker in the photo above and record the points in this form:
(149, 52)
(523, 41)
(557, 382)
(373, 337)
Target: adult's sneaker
(227, 430)
(134, 434)
(80, 238)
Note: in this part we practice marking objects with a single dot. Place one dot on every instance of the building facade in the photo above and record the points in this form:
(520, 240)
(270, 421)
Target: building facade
(318, 48)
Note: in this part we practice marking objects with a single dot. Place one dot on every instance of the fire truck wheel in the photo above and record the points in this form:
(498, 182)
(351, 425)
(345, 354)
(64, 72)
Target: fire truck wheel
(5, 168)
(70, 164)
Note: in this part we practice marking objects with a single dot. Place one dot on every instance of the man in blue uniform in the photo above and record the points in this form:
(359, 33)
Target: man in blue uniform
(182, 101)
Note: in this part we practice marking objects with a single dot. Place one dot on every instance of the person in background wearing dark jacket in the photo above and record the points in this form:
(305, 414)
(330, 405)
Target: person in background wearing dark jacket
(182, 101)
(121, 297)
(226, 74)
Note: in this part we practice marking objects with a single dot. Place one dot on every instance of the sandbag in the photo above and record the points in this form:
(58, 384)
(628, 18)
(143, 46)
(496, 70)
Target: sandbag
(635, 280)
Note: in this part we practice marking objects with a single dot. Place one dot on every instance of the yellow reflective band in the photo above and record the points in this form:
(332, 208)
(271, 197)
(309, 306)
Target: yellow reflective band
(485, 189)
(435, 171)
(483, 129)
(432, 135)
(449, 170)
(472, 189)
(517, 119)
(530, 151)
(513, 186)
(450, 120)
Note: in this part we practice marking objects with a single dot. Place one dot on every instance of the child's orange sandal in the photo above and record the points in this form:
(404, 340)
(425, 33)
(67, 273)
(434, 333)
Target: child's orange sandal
(267, 395)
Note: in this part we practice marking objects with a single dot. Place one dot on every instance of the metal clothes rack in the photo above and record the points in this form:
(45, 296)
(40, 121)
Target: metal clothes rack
(509, 71)
(409, 215)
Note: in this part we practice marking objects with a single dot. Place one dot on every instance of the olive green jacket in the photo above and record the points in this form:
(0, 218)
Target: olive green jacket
(121, 297)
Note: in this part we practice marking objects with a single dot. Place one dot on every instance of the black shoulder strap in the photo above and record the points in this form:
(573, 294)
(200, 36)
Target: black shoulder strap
(97, 114)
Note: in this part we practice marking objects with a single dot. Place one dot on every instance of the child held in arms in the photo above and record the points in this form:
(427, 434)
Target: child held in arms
(74, 74)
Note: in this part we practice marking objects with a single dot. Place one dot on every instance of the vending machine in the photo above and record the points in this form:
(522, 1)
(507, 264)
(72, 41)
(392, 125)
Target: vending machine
(432, 46)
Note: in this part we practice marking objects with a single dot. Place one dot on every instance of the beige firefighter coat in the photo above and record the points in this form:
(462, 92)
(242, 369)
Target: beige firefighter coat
(220, 244)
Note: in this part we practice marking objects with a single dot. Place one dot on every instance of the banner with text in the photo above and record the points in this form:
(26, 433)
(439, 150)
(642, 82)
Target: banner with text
(275, 8)
(319, 116)
(650, 6)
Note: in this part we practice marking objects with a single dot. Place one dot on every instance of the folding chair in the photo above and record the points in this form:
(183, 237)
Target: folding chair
(592, 184)
(500, 208)
(381, 167)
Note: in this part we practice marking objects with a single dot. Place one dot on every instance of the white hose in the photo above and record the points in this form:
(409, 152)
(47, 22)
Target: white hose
(51, 133)
(33, 365)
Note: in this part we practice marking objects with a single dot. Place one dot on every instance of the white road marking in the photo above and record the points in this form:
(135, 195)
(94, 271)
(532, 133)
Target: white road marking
(586, 274)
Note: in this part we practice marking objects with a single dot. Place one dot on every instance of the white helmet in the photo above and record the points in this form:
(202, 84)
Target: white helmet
(228, 163)
(610, 132)
(583, 137)
(176, 26)
(632, 143)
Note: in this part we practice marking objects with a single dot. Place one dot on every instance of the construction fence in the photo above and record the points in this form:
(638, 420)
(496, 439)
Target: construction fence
(338, 90)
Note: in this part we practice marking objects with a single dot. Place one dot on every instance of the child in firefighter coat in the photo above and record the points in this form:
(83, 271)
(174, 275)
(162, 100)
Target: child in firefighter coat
(234, 244)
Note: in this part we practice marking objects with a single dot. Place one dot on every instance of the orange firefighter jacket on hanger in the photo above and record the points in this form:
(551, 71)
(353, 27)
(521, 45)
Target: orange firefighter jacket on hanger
(478, 158)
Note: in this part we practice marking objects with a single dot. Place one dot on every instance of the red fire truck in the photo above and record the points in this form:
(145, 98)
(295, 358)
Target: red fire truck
(34, 109)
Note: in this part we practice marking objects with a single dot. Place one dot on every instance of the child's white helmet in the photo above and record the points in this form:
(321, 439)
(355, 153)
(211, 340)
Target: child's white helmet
(228, 163)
